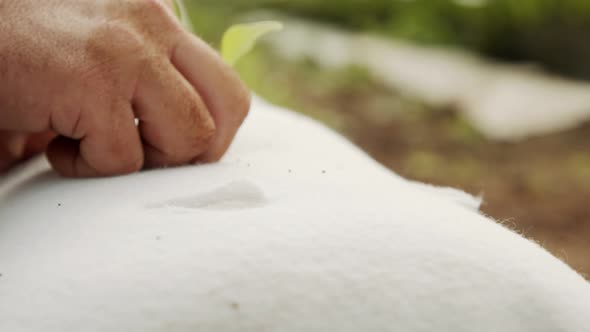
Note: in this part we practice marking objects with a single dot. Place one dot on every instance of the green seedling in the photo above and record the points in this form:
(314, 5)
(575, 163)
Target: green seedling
(238, 40)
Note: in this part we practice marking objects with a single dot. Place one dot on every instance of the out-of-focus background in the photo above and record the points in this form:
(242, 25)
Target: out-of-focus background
(489, 96)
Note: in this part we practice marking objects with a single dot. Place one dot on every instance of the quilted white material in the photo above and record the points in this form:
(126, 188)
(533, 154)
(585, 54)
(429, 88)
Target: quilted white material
(295, 230)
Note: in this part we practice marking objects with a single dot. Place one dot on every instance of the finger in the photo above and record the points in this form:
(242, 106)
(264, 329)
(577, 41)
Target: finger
(219, 86)
(16, 147)
(37, 143)
(65, 157)
(110, 147)
(12, 146)
(174, 123)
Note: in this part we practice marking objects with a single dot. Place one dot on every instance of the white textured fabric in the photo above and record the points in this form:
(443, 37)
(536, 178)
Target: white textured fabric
(295, 230)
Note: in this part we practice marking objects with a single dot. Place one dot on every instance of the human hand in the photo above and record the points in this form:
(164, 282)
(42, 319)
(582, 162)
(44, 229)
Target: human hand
(15, 147)
(87, 69)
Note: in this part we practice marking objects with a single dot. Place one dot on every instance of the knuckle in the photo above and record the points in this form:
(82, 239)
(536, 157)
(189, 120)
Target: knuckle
(153, 17)
(201, 129)
(113, 38)
(134, 165)
(241, 102)
(115, 54)
(110, 44)
(195, 131)
(69, 122)
(126, 166)
(206, 134)
(153, 21)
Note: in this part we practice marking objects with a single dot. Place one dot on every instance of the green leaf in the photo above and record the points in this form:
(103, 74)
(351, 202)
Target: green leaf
(239, 39)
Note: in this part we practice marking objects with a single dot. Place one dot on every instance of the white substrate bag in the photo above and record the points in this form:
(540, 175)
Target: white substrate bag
(295, 230)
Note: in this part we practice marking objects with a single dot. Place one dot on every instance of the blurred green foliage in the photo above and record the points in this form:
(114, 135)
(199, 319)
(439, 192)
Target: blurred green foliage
(553, 33)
